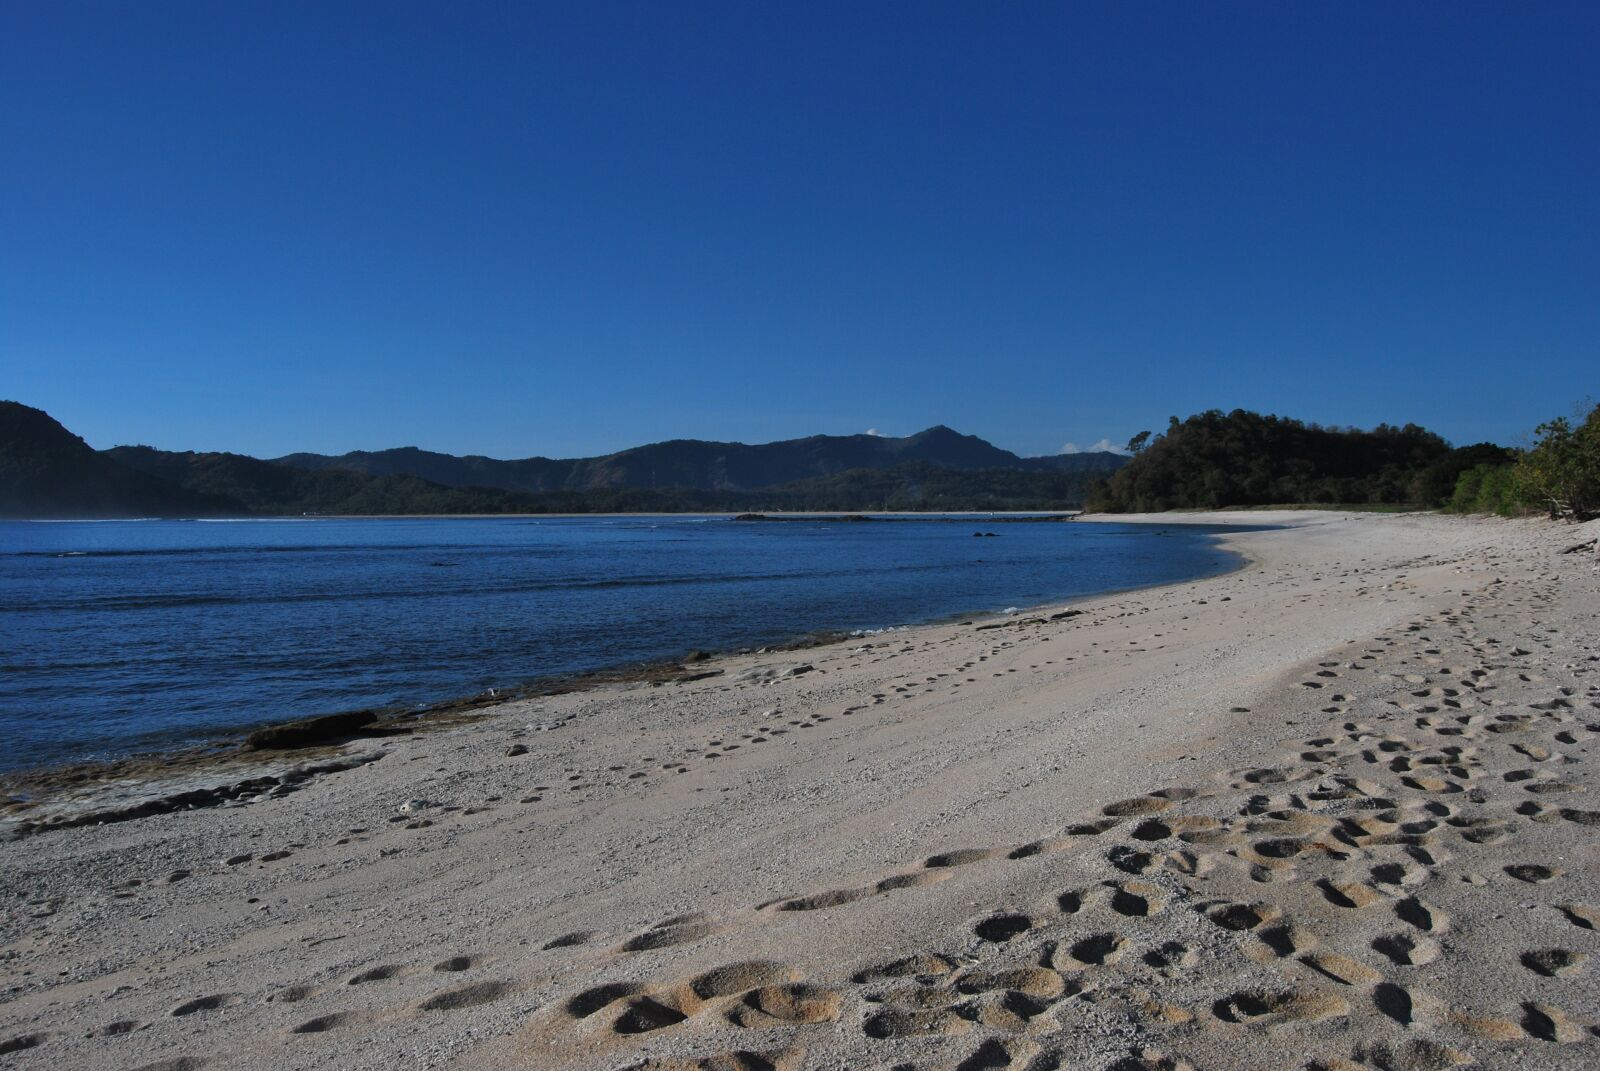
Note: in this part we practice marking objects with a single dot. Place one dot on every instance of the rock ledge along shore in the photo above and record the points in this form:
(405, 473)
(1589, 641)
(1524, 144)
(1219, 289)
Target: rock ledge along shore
(1335, 810)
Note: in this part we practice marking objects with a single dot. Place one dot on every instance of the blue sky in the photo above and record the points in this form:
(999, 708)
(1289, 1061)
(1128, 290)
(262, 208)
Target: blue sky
(521, 229)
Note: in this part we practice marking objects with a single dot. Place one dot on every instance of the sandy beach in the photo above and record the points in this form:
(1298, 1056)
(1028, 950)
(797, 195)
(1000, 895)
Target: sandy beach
(1336, 809)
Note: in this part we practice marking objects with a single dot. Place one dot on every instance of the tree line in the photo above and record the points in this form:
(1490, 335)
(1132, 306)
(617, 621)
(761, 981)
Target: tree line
(1215, 460)
(1559, 475)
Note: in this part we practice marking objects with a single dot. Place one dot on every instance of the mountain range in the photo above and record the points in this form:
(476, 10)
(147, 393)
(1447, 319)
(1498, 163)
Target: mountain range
(704, 466)
(46, 471)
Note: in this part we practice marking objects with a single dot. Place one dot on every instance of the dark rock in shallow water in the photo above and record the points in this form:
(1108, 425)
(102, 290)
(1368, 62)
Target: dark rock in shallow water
(309, 731)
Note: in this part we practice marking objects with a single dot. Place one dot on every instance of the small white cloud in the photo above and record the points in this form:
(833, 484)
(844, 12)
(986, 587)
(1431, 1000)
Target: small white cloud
(1103, 446)
(874, 431)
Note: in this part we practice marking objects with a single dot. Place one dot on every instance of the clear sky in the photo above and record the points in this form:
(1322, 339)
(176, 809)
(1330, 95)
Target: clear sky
(562, 229)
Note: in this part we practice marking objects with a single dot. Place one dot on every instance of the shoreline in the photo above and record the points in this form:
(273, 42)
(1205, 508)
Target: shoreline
(22, 787)
(1335, 806)
(1077, 513)
(1063, 514)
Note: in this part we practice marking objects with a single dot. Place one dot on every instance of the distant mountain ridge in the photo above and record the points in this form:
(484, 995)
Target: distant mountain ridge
(700, 465)
(47, 472)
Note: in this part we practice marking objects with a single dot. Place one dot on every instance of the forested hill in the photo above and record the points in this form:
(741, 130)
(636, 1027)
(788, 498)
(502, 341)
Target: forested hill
(698, 465)
(265, 488)
(1216, 459)
(46, 471)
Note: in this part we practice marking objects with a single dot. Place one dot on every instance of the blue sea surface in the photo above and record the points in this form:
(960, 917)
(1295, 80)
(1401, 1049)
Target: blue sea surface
(119, 636)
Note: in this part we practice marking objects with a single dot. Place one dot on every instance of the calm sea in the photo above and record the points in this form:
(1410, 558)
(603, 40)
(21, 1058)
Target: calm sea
(118, 636)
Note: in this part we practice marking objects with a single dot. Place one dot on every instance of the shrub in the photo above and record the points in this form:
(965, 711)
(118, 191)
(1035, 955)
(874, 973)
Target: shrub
(1561, 473)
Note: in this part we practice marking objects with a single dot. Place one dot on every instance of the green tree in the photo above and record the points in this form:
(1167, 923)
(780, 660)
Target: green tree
(1241, 458)
(1561, 473)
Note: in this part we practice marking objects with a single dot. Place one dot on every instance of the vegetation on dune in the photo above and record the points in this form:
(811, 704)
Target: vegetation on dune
(1560, 473)
(1214, 459)
(1487, 489)
(1217, 460)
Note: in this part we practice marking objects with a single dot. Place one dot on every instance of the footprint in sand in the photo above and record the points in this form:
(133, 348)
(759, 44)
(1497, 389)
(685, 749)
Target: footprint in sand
(23, 1042)
(1582, 915)
(672, 932)
(591, 1000)
(116, 1029)
(466, 996)
(1130, 860)
(1349, 895)
(785, 1004)
(1549, 1023)
(1422, 915)
(1036, 982)
(1171, 955)
(1532, 873)
(908, 1023)
(205, 1004)
(641, 1015)
(962, 857)
(1417, 1054)
(1553, 962)
(1136, 899)
(1138, 805)
(294, 994)
(922, 966)
(1342, 968)
(456, 963)
(1406, 1006)
(1406, 949)
(568, 940)
(998, 929)
(323, 1023)
(742, 977)
(1272, 1008)
(1236, 916)
(1151, 829)
(1096, 950)
(823, 900)
(1280, 941)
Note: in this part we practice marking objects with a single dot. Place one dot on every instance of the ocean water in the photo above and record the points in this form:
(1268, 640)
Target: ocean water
(119, 636)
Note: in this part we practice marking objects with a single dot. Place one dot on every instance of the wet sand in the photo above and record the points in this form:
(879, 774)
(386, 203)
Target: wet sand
(1333, 810)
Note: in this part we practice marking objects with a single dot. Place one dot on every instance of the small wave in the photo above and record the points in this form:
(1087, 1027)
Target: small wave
(539, 550)
(486, 589)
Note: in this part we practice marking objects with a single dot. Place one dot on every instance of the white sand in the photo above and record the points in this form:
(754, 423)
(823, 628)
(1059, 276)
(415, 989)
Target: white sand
(1258, 821)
